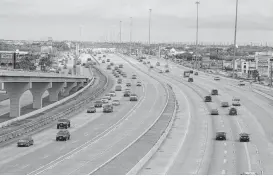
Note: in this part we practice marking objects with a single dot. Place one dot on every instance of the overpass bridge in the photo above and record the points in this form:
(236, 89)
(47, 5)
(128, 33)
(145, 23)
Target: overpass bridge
(16, 83)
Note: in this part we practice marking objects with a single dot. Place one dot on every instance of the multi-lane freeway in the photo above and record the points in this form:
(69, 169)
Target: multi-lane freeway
(131, 139)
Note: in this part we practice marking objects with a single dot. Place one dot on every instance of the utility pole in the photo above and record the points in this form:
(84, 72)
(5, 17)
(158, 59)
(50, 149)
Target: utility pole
(130, 35)
(270, 61)
(197, 3)
(150, 11)
(235, 35)
(120, 31)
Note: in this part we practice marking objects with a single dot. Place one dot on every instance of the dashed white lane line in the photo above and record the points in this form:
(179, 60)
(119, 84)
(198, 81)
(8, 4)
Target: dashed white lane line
(75, 141)
(86, 134)
(223, 172)
(225, 152)
(225, 161)
(45, 156)
(225, 144)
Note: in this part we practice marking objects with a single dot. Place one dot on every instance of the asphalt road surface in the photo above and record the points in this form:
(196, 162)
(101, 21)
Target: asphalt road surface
(95, 138)
(200, 153)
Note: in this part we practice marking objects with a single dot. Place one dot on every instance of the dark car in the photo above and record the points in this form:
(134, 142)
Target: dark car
(190, 80)
(63, 123)
(214, 92)
(232, 111)
(128, 84)
(98, 104)
(191, 71)
(126, 94)
(208, 99)
(196, 73)
(25, 142)
(244, 137)
(63, 135)
(221, 136)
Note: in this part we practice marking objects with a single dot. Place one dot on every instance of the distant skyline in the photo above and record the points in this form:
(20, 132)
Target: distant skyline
(172, 20)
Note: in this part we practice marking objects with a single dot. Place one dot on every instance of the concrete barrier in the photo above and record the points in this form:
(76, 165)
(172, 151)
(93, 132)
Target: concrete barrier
(6, 123)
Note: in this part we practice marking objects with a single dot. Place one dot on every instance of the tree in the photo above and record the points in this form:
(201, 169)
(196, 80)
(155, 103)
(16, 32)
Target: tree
(45, 62)
(26, 63)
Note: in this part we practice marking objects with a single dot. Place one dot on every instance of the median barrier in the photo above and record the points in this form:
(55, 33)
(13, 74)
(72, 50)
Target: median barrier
(4, 124)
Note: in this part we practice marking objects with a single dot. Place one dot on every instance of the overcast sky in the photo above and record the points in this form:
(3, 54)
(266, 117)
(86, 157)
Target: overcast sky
(171, 20)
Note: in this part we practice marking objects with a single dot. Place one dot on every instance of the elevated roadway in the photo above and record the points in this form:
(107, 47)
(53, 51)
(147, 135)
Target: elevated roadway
(95, 138)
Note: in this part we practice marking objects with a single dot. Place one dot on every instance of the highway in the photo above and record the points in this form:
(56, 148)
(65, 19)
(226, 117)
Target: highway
(210, 156)
(95, 138)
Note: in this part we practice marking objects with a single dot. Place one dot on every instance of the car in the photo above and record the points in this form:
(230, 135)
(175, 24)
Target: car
(98, 104)
(108, 60)
(217, 78)
(91, 109)
(120, 66)
(133, 97)
(25, 141)
(63, 135)
(63, 123)
(191, 71)
(144, 63)
(151, 66)
(236, 102)
(103, 61)
(214, 92)
(108, 67)
(126, 94)
(244, 137)
(128, 84)
(167, 70)
(140, 60)
(119, 81)
(128, 89)
(104, 101)
(104, 55)
(224, 104)
(117, 76)
(107, 96)
(158, 64)
(116, 102)
(160, 71)
(111, 63)
(138, 83)
(148, 62)
(124, 75)
(134, 77)
(221, 135)
(190, 80)
(112, 93)
(214, 112)
(241, 83)
(196, 73)
(108, 108)
(232, 111)
(208, 99)
(118, 88)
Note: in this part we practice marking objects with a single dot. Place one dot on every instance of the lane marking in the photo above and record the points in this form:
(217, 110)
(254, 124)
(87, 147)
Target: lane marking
(225, 152)
(223, 172)
(225, 144)
(225, 161)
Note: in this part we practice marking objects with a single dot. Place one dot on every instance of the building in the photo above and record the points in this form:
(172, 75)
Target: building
(7, 57)
(263, 63)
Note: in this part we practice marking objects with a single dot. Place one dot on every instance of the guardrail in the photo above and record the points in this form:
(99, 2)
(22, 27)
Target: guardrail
(31, 126)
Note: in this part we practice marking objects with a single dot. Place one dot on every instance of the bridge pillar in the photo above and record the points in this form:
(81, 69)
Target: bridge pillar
(70, 85)
(37, 90)
(55, 90)
(79, 84)
(15, 91)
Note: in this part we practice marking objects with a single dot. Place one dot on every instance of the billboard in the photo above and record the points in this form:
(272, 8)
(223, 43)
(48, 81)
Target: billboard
(6, 57)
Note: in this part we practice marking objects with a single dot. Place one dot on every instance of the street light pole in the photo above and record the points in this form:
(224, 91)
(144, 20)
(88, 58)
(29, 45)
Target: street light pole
(130, 35)
(150, 11)
(120, 31)
(235, 35)
(197, 3)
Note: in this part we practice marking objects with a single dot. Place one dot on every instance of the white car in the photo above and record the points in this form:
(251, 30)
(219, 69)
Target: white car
(112, 94)
(217, 78)
(104, 101)
(115, 102)
(236, 102)
(138, 83)
(107, 96)
(160, 71)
